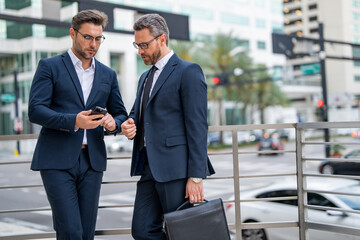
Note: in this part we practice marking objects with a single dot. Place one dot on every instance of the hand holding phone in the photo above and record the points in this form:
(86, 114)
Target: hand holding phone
(98, 110)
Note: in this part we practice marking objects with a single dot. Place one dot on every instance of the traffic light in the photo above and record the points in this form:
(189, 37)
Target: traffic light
(320, 110)
(320, 103)
(216, 80)
(221, 79)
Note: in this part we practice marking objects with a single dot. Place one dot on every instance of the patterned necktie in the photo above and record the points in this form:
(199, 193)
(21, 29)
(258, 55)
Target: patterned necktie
(145, 100)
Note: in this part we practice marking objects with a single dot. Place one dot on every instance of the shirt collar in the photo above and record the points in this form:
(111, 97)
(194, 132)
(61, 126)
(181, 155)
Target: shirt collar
(76, 61)
(162, 62)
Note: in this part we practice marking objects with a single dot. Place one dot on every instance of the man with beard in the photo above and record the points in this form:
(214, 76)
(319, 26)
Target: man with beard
(169, 124)
(70, 152)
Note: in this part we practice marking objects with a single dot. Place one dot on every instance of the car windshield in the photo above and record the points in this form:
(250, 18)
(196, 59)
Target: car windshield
(351, 201)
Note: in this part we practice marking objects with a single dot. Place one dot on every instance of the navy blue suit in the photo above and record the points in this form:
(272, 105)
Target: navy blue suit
(55, 99)
(175, 124)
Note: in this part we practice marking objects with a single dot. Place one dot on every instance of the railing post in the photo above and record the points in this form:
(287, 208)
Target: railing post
(235, 152)
(300, 182)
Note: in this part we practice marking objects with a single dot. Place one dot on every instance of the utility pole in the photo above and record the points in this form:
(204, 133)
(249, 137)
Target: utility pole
(323, 85)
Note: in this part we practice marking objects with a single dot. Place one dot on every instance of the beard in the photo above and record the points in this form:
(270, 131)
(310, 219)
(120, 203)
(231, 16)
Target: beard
(153, 58)
(82, 52)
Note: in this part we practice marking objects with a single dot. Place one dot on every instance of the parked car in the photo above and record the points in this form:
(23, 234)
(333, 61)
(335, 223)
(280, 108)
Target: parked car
(121, 144)
(286, 210)
(342, 167)
(270, 142)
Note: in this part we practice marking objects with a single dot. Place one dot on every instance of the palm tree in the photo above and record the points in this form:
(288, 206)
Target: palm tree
(220, 56)
(182, 49)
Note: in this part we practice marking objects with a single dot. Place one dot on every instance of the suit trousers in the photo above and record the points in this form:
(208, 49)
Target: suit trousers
(73, 195)
(152, 200)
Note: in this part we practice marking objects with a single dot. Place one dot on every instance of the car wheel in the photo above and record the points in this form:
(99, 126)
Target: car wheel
(253, 234)
(328, 169)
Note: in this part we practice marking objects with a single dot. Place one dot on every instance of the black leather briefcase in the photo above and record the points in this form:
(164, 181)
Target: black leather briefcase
(206, 221)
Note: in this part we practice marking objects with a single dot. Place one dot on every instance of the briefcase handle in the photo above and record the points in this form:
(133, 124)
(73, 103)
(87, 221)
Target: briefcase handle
(191, 204)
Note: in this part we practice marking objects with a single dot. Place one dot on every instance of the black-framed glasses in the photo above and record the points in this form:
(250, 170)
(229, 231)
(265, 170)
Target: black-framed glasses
(145, 45)
(88, 38)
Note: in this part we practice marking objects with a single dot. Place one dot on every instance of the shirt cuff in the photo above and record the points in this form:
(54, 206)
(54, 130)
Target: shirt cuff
(112, 132)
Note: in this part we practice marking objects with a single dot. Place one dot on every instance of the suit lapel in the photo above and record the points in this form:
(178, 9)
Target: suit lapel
(139, 92)
(96, 82)
(71, 70)
(166, 72)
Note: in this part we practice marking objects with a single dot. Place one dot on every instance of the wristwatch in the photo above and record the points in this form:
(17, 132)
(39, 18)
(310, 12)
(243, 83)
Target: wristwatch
(196, 180)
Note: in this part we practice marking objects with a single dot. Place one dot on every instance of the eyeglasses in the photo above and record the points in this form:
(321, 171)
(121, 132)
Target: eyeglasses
(88, 38)
(145, 45)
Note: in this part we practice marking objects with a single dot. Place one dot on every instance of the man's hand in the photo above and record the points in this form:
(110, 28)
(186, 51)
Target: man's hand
(86, 121)
(109, 122)
(128, 128)
(194, 191)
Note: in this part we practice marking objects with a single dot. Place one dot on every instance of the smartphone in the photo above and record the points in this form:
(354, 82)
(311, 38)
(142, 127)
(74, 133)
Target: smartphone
(98, 110)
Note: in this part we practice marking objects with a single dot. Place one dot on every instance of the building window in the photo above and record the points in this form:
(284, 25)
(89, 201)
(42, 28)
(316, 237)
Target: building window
(356, 3)
(314, 30)
(115, 62)
(357, 78)
(356, 27)
(234, 19)
(313, 6)
(56, 32)
(355, 15)
(261, 45)
(260, 23)
(243, 42)
(17, 5)
(356, 39)
(198, 13)
(356, 63)
(277, 27)
(356, 52)
(18, 30)
(200, 37)
(154, 5)
(277, 6)
(312, 19)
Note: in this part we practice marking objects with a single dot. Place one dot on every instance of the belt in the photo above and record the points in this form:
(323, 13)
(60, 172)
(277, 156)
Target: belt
(84, 146)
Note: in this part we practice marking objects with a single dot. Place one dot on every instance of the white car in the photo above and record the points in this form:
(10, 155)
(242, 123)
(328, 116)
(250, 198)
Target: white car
(120, 144)
(286, 210)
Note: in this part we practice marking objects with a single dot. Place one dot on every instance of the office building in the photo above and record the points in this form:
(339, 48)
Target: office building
(341, 22)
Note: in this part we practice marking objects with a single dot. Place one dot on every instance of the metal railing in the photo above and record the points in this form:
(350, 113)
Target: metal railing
(303, 224)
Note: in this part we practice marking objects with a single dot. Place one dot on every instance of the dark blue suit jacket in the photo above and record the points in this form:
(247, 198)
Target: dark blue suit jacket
(56, 98)
(175, 123)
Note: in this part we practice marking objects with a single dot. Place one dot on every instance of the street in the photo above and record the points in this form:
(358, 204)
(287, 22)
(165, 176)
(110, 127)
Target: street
(115, 194)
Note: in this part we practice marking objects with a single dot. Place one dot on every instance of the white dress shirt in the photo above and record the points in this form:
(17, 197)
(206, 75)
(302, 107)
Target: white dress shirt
(86, 78)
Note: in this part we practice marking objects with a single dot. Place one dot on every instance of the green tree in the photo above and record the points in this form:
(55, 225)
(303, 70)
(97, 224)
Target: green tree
(221, 55)
(259, 91)
(182, 49)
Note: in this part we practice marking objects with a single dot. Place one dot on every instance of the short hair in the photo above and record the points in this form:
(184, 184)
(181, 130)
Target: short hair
(89, 16)
(155, 23)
